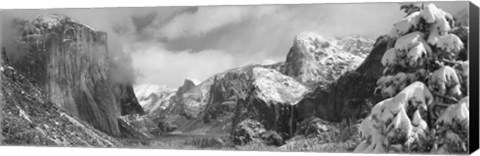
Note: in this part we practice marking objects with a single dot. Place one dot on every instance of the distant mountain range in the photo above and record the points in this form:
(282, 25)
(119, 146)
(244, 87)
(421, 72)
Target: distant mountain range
(255, 90)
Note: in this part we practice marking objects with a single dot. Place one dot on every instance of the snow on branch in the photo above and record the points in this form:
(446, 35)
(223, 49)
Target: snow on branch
(445, 81)
(403, 26)
(406, 42)
(389, 59)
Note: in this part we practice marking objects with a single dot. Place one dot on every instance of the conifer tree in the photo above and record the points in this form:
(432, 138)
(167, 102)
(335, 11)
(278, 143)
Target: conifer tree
(424, 87)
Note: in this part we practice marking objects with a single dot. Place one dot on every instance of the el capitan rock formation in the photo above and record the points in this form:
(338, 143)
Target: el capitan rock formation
(71, 62)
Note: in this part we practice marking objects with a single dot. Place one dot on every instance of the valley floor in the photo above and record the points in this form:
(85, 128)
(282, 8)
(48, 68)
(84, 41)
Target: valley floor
(338, 142)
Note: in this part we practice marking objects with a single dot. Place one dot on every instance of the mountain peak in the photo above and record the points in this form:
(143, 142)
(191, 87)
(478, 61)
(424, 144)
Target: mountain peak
(316, 59)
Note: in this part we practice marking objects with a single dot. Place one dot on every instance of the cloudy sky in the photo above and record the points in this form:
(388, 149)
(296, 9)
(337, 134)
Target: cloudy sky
(169, 44)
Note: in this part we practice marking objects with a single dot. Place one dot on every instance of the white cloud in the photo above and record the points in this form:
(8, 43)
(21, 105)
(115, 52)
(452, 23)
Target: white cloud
(206, 19)
(161, 66)
(239, 35)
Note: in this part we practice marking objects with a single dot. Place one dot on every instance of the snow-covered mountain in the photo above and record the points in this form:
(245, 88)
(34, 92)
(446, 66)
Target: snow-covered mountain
(315, 59)
(218, 103)
(344, 97)
(153, 97)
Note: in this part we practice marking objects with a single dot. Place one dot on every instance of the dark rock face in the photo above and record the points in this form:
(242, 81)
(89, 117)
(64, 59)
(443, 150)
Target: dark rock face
(126, 96)
(30, 117)
(71, 62)
(346, 97)
(187, 85)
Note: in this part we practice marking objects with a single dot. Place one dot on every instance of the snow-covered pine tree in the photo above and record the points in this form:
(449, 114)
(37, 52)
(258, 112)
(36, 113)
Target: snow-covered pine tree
(425, 106)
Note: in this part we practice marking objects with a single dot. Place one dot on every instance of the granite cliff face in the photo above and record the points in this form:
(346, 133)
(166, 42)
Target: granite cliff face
(128, 100)
(345, 97)
(315, 60)
(71, 62)
(271, 98)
